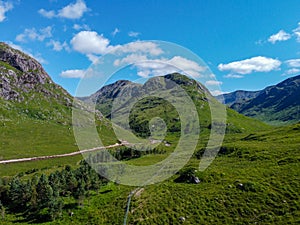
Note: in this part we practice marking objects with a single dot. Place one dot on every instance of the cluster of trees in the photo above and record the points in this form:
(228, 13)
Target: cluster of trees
(125, 153)
(41, 197)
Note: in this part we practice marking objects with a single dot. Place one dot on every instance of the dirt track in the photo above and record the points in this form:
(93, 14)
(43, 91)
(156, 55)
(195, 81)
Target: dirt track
(56, 156)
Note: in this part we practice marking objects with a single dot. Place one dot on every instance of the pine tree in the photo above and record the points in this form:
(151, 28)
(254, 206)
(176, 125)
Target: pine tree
(15, 194)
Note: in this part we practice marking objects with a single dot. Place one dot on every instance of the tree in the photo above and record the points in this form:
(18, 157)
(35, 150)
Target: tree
(15, 194)
(80, 192)
(55, 206)
(2, 210)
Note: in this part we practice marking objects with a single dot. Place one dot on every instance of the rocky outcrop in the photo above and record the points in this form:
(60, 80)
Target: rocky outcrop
(21, 74)
(21, 61)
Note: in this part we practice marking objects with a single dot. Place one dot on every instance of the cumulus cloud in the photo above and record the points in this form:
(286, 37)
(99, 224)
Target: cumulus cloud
(254, 64)
(293, 62)
(160, 67)
(4, 7)
(90, 42)
(233, 76)
(81, 27)
(292, 71)
(93, 45)
(296, 32)
(48, 14)
(71, 11)
(73, 73)
(142, 54)
(133, 34)
(140, 47)
(213, 83)
(33, 34)
(280, 36)
(130, 59)
(58, 46)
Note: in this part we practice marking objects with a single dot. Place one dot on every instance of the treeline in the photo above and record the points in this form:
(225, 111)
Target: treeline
(40, 198)
(125, 153)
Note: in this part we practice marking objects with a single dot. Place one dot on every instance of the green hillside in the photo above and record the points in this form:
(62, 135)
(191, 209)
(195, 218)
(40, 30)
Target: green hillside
(253, 180)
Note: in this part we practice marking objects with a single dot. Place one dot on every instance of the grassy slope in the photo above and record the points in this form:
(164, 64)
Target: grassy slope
(267, 163)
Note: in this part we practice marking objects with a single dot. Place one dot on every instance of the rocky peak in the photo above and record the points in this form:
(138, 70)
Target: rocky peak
(20, 61)
(21, 74)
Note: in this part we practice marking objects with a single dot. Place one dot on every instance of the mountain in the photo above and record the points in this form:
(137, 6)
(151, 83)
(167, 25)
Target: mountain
(105, 96)
(277, 104)
(253, 180)
(35, 113)
(27, 90)
(235, 97)
(150, 107)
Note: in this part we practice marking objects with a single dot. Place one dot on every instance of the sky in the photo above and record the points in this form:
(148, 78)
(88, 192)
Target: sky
(247, 45)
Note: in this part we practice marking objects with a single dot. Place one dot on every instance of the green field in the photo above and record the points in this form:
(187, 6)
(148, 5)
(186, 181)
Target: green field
(266, 163)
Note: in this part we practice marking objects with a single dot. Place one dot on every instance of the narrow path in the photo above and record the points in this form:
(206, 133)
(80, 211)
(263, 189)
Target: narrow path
(58, 156)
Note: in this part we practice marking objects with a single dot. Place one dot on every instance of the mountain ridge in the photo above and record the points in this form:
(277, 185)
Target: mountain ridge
(276, 104)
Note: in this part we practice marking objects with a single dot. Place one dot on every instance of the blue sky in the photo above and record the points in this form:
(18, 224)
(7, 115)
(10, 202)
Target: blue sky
(246, 44)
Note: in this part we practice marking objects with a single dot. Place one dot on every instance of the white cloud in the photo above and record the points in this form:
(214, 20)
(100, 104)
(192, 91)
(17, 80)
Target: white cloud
(93, 58)
(58, 46)
(73, 73)
(48, 14)
(4, 7)
(33, 34)
(89, 42)
(133, 34)
(139, 53)
(292, 71)
(81, 27)
(254, 64)
(116, 30)
(139, 46)
(71, 11)
(213, 83)
(217, 92)
(93, 44)
(296, 32)
(280, 36)
(159, 67)
(293, 62)
(130, 59)
(233, 76)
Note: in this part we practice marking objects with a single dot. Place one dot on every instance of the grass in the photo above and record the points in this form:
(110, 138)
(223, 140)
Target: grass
(266, 163)
(28, 138)
(253, 180)
(9, 170)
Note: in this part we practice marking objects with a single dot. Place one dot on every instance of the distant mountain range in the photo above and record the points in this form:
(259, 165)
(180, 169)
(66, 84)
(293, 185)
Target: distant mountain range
(277, 104)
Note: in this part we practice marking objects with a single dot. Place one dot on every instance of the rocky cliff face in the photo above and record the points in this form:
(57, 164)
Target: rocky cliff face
(21, 61)
(20, 75)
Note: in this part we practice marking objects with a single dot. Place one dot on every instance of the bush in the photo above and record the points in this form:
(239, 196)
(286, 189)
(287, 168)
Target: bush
(186, 175)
